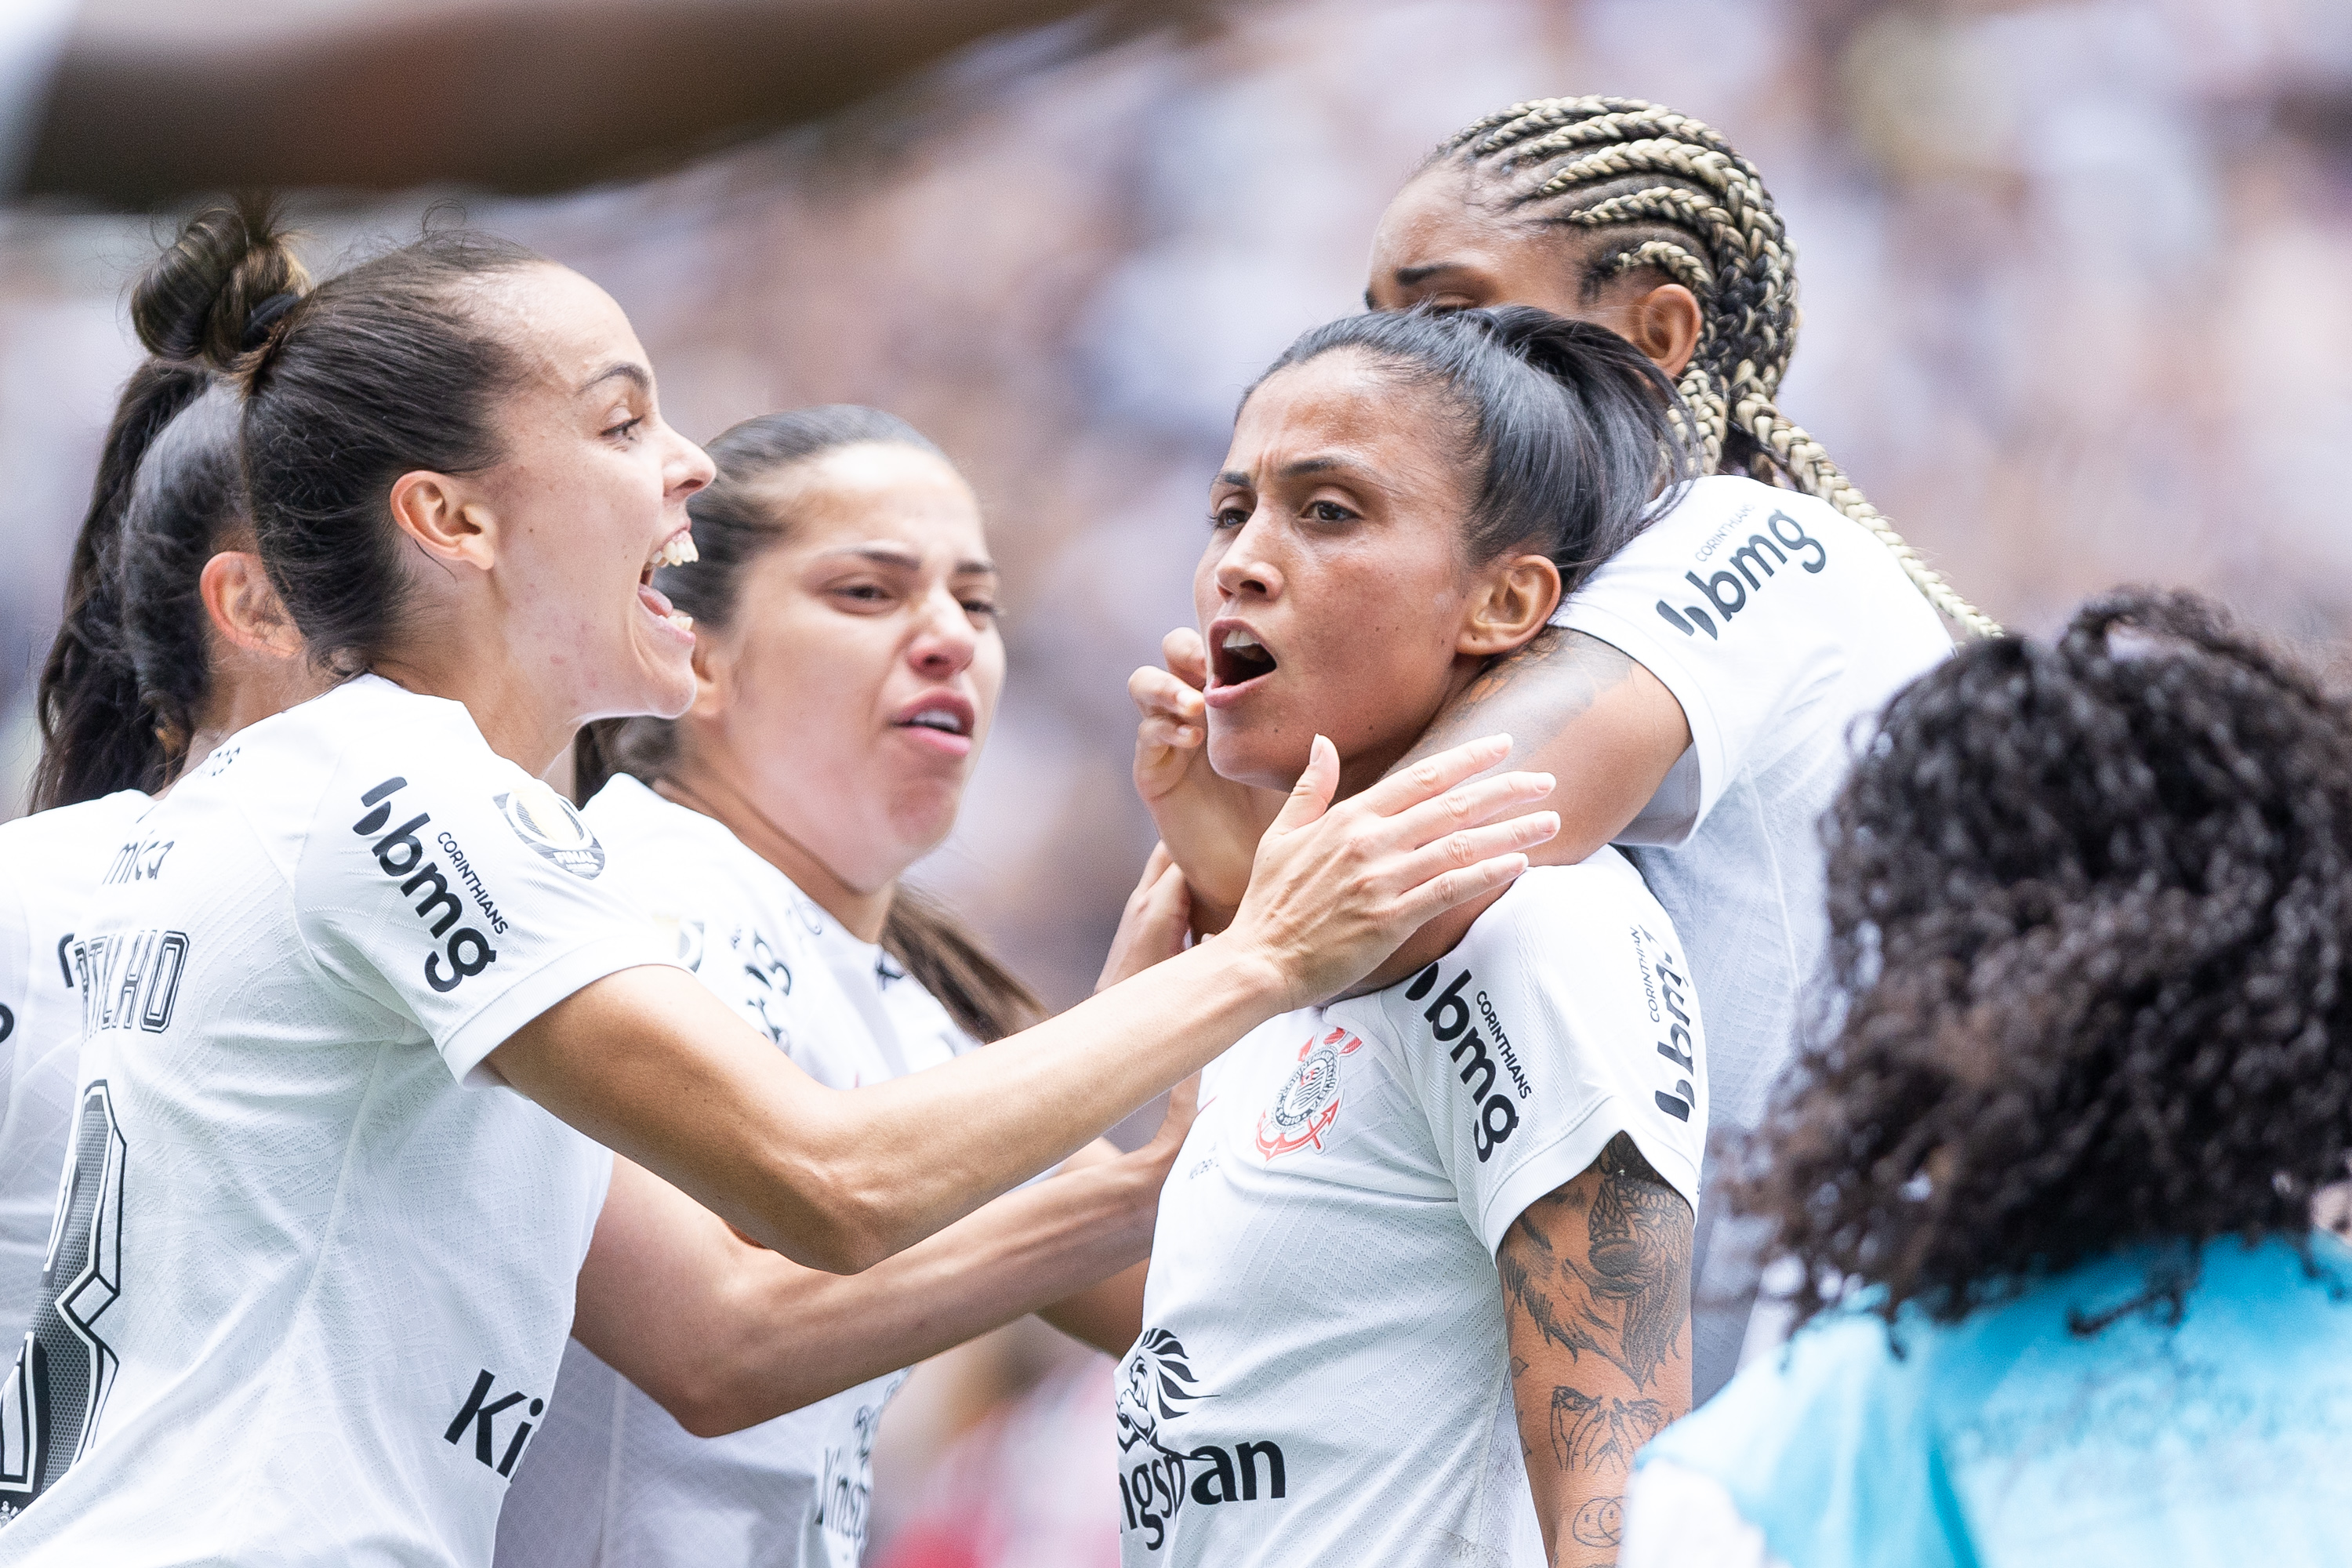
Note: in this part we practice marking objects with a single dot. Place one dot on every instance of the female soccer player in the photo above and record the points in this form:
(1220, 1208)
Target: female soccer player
(333, 1179)
(172, 641)
(1416, 1235)
(2051, 1183)
(848, 665)
(1700, 696)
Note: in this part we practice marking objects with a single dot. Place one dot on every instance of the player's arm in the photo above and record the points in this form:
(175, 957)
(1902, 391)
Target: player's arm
(515, 95)
(1596, 1289)
(746, 1335)
(1605, 728)
(649, 1063)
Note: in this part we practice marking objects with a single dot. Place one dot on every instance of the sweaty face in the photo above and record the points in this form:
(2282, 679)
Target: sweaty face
(863, 666)
(589, 497)
(1333, 591)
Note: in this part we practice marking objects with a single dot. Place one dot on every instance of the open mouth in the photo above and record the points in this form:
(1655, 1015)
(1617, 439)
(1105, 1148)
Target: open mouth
(940, 721)
(678, 549)
(1239, 658)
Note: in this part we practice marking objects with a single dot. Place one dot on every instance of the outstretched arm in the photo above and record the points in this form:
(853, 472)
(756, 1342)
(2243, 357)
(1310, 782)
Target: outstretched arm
(725, 1334)
(650, 1064)
(1596, 1289)
(514, 95)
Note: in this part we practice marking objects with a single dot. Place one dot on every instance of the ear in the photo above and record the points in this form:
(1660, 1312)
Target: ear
(714, 674)
(245, 607)
(1666, 322)
(1508, 603)
(451, 525)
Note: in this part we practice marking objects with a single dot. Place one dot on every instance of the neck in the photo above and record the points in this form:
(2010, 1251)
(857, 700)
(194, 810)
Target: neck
(514, 722)
(1361, 770)
(702, 786)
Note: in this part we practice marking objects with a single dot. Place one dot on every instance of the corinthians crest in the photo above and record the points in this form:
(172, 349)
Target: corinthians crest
(1309, 1099)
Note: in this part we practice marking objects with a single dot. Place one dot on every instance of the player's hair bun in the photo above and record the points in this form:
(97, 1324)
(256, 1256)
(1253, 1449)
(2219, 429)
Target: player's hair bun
(202, 298)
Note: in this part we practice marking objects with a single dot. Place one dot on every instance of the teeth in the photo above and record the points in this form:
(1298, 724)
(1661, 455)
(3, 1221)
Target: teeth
(930, 719)
(677, 552)
(680, 619)
(1237, 637)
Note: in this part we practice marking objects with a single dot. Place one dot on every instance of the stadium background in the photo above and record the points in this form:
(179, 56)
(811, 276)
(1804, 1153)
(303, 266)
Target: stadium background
(2075, 315)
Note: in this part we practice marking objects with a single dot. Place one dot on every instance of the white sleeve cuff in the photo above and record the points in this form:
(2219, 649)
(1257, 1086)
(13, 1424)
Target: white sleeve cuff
(527, 998)
(1569, 1156)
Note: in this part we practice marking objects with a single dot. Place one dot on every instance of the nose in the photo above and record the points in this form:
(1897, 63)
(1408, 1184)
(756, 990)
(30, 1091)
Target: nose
(945, 641)
(689, 469)
(1247, 568)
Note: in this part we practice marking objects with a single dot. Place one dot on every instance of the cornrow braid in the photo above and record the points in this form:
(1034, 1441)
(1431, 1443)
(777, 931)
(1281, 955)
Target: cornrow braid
(1668, 193)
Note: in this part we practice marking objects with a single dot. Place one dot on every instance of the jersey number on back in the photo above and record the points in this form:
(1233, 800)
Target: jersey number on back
(52, 1400)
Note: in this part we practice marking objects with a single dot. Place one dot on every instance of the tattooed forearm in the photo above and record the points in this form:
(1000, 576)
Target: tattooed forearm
(1596, 1291)
(1535, 691)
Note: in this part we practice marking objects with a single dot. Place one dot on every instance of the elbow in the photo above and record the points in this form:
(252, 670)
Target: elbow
(843, 1224)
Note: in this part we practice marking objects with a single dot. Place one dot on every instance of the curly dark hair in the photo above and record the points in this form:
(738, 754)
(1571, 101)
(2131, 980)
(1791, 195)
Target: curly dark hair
(2090, 934)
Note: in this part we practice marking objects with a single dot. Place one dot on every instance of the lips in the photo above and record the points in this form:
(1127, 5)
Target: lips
(939, 721)
(678, 549)
(1238, 659)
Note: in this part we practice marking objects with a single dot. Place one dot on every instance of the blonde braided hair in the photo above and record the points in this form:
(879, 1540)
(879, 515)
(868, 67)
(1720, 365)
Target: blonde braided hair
(1677, 197)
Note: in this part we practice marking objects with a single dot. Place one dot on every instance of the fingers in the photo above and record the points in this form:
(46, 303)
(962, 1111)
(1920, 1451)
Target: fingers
(1156, 866)
(1472, 804)
(1410, 786)
(1173, 714)
(1187, 656)
(1444, 891)
(1312, 793)
(1474, 846)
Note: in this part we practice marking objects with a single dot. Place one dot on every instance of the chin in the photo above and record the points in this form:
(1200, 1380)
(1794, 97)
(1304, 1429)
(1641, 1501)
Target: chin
(1246, 756)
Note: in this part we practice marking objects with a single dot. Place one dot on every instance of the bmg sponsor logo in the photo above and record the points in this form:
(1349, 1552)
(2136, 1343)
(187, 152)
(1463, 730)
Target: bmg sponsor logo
(400, 855)
(1494, 1115)
(1752, 566)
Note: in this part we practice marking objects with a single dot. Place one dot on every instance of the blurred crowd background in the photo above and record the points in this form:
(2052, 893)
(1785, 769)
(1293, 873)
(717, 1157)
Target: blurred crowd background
(2075, 313)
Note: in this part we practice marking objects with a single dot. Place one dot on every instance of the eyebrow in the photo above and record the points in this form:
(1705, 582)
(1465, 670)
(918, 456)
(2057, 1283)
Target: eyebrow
(1300, 469)
(900, 556)
(626, 369)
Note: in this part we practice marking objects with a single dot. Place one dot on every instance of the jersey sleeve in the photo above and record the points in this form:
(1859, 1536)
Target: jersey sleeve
(461, 892)
(1564, 1019)
(1692, 600)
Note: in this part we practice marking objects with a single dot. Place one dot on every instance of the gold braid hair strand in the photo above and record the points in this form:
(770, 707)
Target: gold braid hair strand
(1711, 226)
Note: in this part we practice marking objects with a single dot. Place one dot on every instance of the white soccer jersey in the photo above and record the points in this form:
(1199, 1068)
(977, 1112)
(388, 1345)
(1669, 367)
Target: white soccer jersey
(1782, 627)
(50, 868)
(312, 1266)
(612, 1479)
(1323, 1377)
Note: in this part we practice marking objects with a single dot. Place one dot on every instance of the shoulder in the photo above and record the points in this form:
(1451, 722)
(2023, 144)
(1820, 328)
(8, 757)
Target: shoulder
(1547, 925)
(30, 847)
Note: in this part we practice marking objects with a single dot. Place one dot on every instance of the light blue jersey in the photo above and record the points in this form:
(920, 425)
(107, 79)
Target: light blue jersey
(2010, 1441)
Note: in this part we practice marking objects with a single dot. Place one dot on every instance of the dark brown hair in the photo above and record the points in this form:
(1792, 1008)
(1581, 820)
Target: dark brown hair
(2091, 922)
(384, 369)
(734, 526)
(130, 668)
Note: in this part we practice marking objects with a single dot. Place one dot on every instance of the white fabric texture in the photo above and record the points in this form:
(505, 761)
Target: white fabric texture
(1679, 1519)
(315, 1267)
(1323, 1377)
(613, 1480)
(51, 864)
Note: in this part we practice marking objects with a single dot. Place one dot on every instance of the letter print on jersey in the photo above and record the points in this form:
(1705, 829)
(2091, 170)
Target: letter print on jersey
(1156, 1479)
(1308, 1100)
(548, 823)
(54, 1396)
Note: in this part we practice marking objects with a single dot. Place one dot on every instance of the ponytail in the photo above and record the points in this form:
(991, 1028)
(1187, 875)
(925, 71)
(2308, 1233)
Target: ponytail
(736, 521)
(96, 736)
(128, 671)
